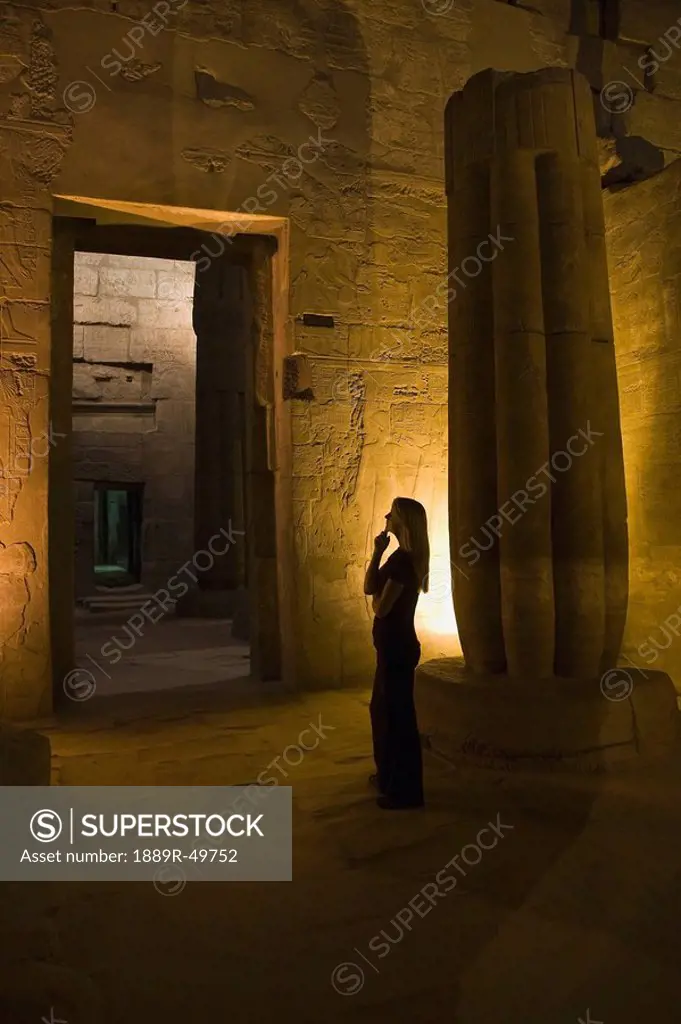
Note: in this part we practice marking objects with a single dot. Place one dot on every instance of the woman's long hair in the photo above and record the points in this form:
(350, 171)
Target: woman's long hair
(413, 517)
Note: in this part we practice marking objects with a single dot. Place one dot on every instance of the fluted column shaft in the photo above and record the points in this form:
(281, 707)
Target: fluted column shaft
(537, 499)
(524, 535)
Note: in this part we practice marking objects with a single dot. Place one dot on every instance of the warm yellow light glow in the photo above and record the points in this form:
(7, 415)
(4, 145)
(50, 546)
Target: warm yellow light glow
(182, 216)
(435, 619)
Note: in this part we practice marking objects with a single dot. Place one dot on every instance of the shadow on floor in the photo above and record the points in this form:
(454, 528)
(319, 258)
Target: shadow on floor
(572, 911)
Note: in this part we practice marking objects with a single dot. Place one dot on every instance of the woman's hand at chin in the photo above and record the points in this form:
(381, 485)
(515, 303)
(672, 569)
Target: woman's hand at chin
(381, 542)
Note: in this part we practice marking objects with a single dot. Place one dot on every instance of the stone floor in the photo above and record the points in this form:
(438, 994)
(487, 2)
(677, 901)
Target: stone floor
(167, 654)
(573, 915)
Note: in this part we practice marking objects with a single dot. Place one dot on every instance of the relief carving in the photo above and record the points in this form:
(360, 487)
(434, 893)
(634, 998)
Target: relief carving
(17, 562)
(136, 70)
(214, 93)
(211, 161)
(261, 288)
(319, 101)
(11, 67)
(17, 398)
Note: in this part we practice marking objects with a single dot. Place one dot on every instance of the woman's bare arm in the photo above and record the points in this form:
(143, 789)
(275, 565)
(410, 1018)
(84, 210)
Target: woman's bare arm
(384, 602)
(371, 575)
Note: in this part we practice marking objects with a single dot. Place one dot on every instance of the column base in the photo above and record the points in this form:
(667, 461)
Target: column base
(25, 757)
(580, 725)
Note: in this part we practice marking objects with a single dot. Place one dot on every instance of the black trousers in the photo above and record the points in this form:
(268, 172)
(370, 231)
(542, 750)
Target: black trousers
(397, 745)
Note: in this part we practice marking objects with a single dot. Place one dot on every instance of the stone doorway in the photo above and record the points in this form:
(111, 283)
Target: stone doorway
(208, 527)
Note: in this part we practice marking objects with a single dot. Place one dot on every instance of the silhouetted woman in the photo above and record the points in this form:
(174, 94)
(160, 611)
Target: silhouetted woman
(395, 591)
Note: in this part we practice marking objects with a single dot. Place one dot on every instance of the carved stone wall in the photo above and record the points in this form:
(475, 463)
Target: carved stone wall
(33, 139)
(644, 248)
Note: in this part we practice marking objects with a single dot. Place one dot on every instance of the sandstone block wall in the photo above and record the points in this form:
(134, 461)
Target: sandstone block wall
(210, 109)
(134, 378)
(644, 245)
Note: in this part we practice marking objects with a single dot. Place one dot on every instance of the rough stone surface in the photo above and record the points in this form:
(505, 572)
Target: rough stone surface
(218, 94)
(136, 70)
(207, 160)
(25, 757)
(319, 101)
(644, 250)
(555, 724)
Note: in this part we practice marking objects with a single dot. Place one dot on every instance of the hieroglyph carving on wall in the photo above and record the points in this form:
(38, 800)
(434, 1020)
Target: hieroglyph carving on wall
(17, 563)
(17, 397)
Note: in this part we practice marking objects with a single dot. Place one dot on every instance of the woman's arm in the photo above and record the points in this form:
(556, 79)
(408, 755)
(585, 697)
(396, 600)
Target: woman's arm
(371, 575)
(384, 602)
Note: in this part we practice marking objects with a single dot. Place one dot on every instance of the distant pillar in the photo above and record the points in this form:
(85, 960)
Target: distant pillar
(220, 340)
(537, 499)
(61, 499)
(259, 450)
(238, 461)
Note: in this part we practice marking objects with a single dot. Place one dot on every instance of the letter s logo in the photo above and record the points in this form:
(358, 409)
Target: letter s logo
(46, 826)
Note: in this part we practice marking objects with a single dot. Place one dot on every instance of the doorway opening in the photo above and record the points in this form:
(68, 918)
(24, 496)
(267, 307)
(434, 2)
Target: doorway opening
(118, 516)
(167, 450)
(133, 440)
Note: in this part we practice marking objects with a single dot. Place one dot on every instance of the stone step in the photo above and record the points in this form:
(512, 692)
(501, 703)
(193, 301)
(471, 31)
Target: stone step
(116, 602)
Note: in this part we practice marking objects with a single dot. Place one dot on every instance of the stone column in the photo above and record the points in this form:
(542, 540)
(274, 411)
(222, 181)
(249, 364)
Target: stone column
(576, 491)
(238, 461)
(555, 574)
(30, 157)
(606, 420)
(521, 416)
(261, 525)
(472, 425)
(221, 336)
(61, 506)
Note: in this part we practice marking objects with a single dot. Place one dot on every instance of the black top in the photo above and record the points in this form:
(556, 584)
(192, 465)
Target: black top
(396, 629)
